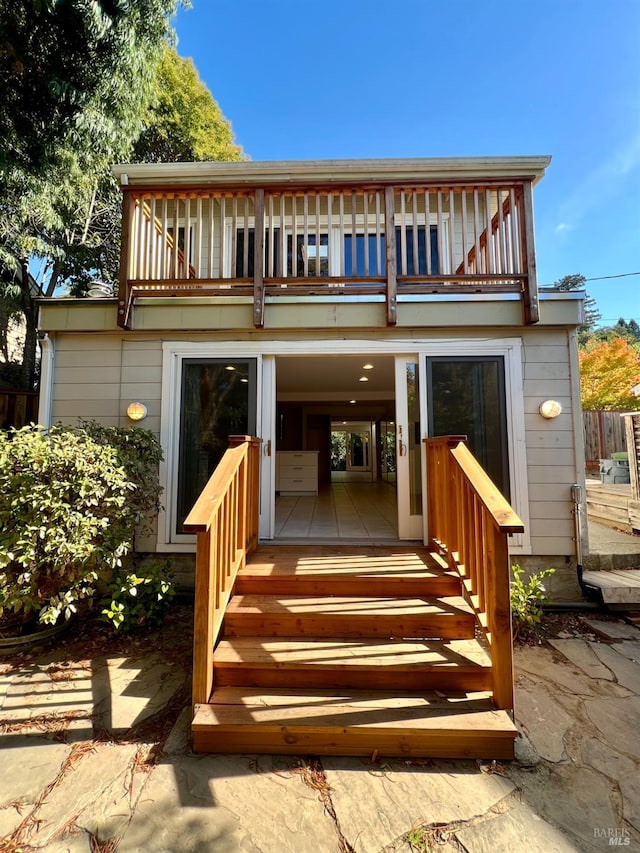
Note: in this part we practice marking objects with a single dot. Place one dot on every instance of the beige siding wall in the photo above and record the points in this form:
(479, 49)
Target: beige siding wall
(97, 375)
(551, 446)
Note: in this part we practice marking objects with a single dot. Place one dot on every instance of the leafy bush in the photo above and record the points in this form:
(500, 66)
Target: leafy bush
(138, 599)
(140, 454)
(527, 597)
(64, 515)
(70, 501)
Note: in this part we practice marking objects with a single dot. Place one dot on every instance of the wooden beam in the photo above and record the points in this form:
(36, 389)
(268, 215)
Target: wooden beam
(390, 240)
(258, 261)
(123, 279)
(531, 308)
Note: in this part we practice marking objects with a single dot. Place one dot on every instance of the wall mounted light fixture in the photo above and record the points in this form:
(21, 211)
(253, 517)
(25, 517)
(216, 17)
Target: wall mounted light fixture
(136, 411)
(550, 409)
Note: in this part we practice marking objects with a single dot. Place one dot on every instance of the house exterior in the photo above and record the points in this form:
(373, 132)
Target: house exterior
(292, 277)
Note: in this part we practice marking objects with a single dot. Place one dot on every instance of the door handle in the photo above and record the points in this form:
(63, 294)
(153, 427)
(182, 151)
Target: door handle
(402, 447)
(267, 448)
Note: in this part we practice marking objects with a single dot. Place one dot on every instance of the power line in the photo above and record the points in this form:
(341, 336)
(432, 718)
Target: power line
(601, 277)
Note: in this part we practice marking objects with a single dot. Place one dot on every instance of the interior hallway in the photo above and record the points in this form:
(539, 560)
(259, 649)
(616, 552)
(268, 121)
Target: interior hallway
(343, 510)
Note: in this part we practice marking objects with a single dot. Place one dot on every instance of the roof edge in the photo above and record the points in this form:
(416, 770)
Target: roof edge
(330, 171)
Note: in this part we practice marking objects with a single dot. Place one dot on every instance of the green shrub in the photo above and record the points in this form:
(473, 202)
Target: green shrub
(70, 502)
(527, 597)
(140, 454)
(139, 599)
(64, 519)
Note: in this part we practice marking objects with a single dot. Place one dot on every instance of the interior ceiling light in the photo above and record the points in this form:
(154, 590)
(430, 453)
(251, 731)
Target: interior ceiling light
(244, 380)
(363, 379)
(367, 367)
(229, 367)
(352, 401)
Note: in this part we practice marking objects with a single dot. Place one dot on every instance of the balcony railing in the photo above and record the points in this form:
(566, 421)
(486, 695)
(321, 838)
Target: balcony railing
(361, 240)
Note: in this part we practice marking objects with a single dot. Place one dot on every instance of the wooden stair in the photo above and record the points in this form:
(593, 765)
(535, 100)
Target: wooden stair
(351, 651)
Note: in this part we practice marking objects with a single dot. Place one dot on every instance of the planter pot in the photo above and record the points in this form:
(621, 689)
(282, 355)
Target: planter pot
(26, 641)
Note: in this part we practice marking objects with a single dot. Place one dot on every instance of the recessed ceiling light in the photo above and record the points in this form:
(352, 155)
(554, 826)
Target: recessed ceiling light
(343, 423)
(367, 367)
(352, 401)
(244, 380)
(363, 379)
(229, 367)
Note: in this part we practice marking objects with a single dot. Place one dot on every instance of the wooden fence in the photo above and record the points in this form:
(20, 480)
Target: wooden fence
(18, 408)
(604, 434)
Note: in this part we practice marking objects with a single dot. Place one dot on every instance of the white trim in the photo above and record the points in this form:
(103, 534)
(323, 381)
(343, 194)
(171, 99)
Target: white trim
(47, 372)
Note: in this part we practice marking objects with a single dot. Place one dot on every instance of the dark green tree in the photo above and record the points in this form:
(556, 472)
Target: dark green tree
(75, 77)
(591, 313)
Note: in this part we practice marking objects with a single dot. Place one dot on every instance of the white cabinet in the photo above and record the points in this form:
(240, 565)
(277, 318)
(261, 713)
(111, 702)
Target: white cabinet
(297, 472)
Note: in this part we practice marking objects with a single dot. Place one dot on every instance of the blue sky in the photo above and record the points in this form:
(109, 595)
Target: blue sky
(349, 78)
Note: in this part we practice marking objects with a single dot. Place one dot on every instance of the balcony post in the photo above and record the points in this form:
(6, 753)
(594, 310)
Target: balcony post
(390, 241)
(530, 295)
(258, 260)
(125, 264)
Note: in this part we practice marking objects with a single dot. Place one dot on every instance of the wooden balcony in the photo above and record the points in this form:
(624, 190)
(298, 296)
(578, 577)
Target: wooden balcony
(365, 240)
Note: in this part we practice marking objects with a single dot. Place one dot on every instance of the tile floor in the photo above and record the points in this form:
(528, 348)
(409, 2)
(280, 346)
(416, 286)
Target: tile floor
(343, 510)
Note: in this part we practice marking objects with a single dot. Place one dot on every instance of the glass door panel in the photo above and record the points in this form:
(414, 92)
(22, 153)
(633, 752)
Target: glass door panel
(218, 400)
(409, 449)
(466, 397)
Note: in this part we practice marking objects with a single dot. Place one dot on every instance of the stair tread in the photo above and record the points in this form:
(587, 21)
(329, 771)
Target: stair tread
(399, 655)
(389, 606)
(365, 562)
(237, 708)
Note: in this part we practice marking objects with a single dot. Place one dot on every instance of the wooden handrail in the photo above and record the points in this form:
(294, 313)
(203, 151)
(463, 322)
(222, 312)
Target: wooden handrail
(469, 521)
(225, 519)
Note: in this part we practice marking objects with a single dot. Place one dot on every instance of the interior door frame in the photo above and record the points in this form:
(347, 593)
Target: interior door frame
(410, 526)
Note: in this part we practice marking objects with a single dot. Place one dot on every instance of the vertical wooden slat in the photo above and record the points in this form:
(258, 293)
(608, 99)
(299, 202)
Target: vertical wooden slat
(318, 236)
(414, 226)
(305, 235)
(197, 254)
(223, 238)
(378, 236)
(140, 241)
(283, 238)
(390, 246)
(452, 232)
(501, 266)
(271, 231)
(245, 242)
(365, 213)
(427, 219)
(487, 231)
(153, 243)
(258, 260)
(515, 263)
(480, 268)
(294, 238)
(465, 250)
(353, 234)
(234, 236)
(341, 216)
(330, 262)
(163, 238)
(403, 234)
(530, 295)
(211, 235)
(203, 621)
(440, 232)
(186, 259)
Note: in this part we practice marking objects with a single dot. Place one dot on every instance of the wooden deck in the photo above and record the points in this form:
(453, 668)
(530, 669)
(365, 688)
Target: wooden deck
(351, 650)
(613, 504)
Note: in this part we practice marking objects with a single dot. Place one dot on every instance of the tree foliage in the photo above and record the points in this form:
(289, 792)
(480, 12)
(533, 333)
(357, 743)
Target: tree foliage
(592, 315)
(608, 372)
(183, 122)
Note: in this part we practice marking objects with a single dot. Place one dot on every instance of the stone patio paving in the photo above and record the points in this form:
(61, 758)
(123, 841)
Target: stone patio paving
(95, 757)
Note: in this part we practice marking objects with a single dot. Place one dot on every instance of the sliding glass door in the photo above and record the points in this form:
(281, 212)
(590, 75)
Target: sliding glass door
(218, 399)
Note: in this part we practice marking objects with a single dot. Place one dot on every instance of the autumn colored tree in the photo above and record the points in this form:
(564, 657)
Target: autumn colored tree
(608, 372)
